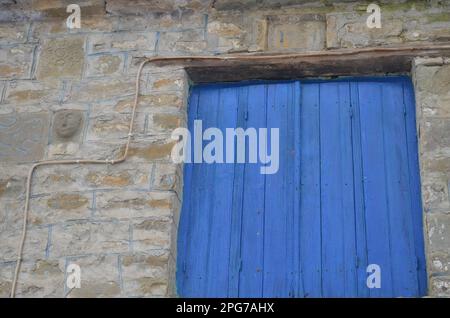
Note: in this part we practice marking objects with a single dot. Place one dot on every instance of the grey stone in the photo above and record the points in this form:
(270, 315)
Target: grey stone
(23, 137)
(121, 204)
(439, 232)
(67, 123)
(15, 62)
(85, 237)
(99, 276)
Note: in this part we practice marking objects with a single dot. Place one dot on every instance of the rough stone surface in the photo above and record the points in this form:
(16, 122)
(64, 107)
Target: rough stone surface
(15, 62)
(431, 77)
(61, 58)
(23, 137)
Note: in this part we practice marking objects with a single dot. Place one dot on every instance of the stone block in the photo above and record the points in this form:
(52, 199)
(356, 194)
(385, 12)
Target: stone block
(85, 237)
(122, 42)
(440, 286)
(41, 278)
(15, 62)
(435, 136)
(440, 263)
(110, 126)
(99, 276)
(182, 42)
(94, 90)
(435, 192)
(296, 32)
(60, 207)
(166, 177)
(57, 8)
(61, 58)
(122, 204)
(13, 33)
(439, 233)
(151, 234)
(31, 93)
(23, 137)
(105, 65)
(228, 33)
(51, 179)
(41, 29)
(6, 277)
(35, 244)
(164, 123)
(145, 275)
(158, 150)
(348, 30)
(12, 182)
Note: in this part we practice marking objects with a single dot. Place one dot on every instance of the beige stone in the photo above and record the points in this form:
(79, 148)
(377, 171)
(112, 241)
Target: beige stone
(23, 137)
(60, 207)
(122, 41)
(99, 277)
(130, 204)
(31, 92)
(87, 237)
(151, 234)
(105, 65)
(15, 62)
(300, 33)
(101, 89)
(41, 278)
(11, 33)
(35, 243)
(145, 274)
(61, 58)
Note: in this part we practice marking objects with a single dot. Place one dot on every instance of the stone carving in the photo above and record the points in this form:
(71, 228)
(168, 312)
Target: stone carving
(23, 137)
(67, 123)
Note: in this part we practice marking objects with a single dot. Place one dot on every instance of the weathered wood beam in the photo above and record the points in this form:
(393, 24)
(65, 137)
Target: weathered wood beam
(341, 62)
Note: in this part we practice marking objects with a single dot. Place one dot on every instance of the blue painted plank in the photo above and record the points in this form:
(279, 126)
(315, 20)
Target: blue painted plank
(403, 262)
(414, 184)
(377, 217)
(203, 197)
(221, 182)
(310, 207)
(275, 222)
(237, 202)
(359, 200)
(252, 241)
(338, 229)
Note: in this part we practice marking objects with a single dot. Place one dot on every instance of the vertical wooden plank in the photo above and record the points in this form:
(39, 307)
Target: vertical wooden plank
(252, 241)
(203, 197)
(347, 191)
(275, 226)
(403, 260)
(377, 218)
(414, 184)
(235, 262)
(184, 228)
(296, 289)
(220, 211)
(310, 206)
(358, 190)
(338, 229)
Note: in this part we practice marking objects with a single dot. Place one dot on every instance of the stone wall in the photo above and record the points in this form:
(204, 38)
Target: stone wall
(68, 94)
(432, 83)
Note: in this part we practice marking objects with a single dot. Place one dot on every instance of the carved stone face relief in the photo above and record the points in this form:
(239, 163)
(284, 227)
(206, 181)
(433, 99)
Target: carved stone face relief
(67, 123)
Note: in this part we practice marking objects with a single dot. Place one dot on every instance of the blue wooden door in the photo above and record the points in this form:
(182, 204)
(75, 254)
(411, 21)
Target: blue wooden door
(346, 195)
